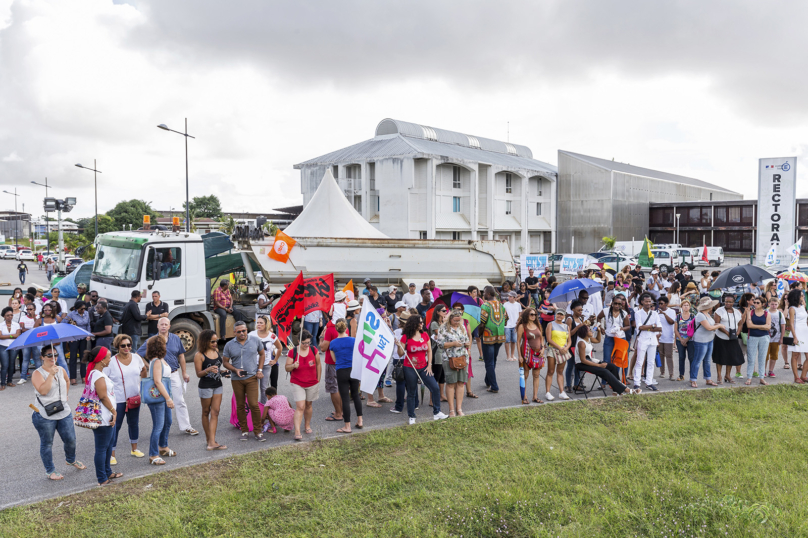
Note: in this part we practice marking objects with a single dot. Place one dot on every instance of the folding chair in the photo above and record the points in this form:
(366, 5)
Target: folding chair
(582, 387)
(620, 355)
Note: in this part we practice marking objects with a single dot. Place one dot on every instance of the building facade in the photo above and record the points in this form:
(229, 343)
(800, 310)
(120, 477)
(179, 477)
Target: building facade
(598, 198)
(413, 181)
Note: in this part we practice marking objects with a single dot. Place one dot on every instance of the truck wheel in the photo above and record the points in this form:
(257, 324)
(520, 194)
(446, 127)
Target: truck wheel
(188, 331)
(713, 263)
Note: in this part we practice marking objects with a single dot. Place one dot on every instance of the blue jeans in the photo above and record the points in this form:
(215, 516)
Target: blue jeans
(161, 425)
(22, 277)
(490, 352)
(46, 428)
(5, 360)
(757, 347)
(103, 452)
(535, 297)
(411, 378)
(571, 370)
(29, 354)
(608, 347)
(401, 390)
(702, 352)
(132, 422)
(689, 351)
(313, 327)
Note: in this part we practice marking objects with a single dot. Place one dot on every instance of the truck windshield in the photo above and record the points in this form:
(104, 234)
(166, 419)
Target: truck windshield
(117, 263)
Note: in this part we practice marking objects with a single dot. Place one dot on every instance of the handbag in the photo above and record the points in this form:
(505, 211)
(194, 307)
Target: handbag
(148, 390)
(658, 360)
(88, 412)
(134, 401)
(53, 407)
(398, 372)
(458, 363)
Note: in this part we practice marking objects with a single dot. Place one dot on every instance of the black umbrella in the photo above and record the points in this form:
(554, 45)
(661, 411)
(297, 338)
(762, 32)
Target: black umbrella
(738, 276)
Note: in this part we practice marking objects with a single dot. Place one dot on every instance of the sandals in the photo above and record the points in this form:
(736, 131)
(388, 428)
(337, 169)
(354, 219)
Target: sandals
(461, 414)
(309, 431)
(157, 461)
(729, 380)
(681, 378)
(217, 447)
(694, 385)
(113, 476)
(55, 476)
(525, 401)
(332, 418)
(452, 413)
(168, 452)
(384, 400)
(360, 426)
(471, 395)
(536, 400)
(77, 464)
(711, 383)
(342, 430)
(298, 437)
(748, 382)
(799, 381)
(763, 382)
(373, 404)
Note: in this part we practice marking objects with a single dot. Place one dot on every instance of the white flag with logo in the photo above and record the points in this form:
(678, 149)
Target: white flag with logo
(771, 257)
(781, 288)
(372, 348)
(795, 250)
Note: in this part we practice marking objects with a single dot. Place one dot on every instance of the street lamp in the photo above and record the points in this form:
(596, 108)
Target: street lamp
(95, 176)
(676, 239)
(47, 213)
(187, 200)
(16, 216)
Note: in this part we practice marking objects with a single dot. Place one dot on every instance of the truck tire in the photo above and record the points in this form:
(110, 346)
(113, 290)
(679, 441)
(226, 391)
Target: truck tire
(188, 331)
(713, 263)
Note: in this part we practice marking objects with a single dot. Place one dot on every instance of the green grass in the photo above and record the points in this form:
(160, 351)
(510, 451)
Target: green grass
(701, 463)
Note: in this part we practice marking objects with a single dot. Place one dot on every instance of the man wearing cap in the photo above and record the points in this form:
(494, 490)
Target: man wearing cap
(412, 297)
(653, 284)
(82, 292)
(368, 285)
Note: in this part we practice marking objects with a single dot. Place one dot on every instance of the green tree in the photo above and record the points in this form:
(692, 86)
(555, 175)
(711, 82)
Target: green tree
(206, 206)
(228, 225)
(127, 213)
(105, 224)
(609, 242)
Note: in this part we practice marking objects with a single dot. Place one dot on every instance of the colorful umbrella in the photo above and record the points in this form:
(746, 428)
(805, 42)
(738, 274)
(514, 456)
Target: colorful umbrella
(471, 311)
(569, 290)
(793, 276)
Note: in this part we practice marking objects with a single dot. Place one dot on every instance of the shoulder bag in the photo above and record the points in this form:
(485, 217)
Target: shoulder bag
(53, 407)
(88, 412)
(148, 390)
(134, 401)
(459, 362)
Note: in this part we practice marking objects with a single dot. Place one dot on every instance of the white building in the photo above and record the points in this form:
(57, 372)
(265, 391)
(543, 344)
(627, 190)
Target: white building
(413, 181)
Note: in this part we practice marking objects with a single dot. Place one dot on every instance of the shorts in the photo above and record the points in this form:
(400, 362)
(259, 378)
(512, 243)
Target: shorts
(331, 379)
(774, 351)
(456, 376)
(208, 393)
(308, 394)
(510, 335)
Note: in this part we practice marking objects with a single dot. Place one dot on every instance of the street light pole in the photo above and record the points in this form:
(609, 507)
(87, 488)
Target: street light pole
(187, 197)
(16, 216)
(47, 213)
(95, 175)
(676, 240)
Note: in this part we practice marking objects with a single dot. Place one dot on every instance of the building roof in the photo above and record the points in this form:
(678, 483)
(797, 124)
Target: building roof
(402, 139)
(291, 210)
(639, 171)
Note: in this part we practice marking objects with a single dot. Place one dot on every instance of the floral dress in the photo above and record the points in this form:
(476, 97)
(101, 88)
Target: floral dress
(447, 333)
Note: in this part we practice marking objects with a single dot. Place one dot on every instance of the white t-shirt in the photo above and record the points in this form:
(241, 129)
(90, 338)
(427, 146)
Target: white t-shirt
(131, 375)
(106, 414)
(27, 323)
(665, 287)
(613, 326)
(778, 320)
(729, 321)
(340, 311)
(667, 328)
(412, 300)
(513, 310)
(6, 332)
(269, 344)
(397, 334)
(647, 337)
(62, 305)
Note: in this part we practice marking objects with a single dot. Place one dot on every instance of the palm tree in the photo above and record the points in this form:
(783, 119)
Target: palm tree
(228, 224)
(609, 242)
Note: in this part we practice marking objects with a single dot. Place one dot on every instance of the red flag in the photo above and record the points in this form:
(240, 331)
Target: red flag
(302, 295)
(704, 255)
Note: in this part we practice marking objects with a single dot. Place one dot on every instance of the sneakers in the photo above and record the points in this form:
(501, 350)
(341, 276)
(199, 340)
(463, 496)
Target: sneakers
(394, 410)
(755, 374)
(549, 397)
(635, 391)
(440, 416)
(738, 375)
(651, 387)
(564, 396)
(388, 383)
(136, 453)
(412, 421)
(113, 461)
(21, 381)
(191, 431)
(771, 374)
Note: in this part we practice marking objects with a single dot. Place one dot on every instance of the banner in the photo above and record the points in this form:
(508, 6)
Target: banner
(572, 263)
(795, 250)
(302, 295)
(537, 262)
(281, 247)
(372, 349)
(771, 257)
(777, 193)
(781, 288)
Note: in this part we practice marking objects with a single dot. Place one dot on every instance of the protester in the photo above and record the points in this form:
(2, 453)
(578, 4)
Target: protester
(412, 297)
(9, 330)
(616, 323)
(798, 324)
(131, 320)
(339, 308)
(436, 292)
(397, 359)
(392, 297)
(15, 295)
(504, 293)
(30, 355)
(331, 385)
(97, 359)
(454, 339)
(102, 328)
(22, 269)
(703, 340)
(159, 373)
(50, 267)
(775, 333)
(375, 299)
(439, 316)
(557, 336)
(125, 370)
(341, 351)
(303, 362)
(759, 322)
(208, 366)
(667, 318)
(244, 356)
(532, 286)
(727, 349)
(277, 412)
(415, 345)
(530, 345)
(154, 311)
(175, 359)
(474, 294)
(685, 329)
(48, 318)
(425, 304)
(588, 363)
(513, 309)
(81, 319)
(650, 326)
(263, 307)
(576, 320)
(272, 352)
(223, 305)
(492, 320)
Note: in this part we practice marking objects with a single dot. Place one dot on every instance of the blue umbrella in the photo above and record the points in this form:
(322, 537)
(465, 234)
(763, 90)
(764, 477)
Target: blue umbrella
(49, 334)
(569, 290)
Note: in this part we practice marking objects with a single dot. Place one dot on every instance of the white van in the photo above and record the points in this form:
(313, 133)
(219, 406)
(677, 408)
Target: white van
(666, 246)
(715, 255)
(665, 259)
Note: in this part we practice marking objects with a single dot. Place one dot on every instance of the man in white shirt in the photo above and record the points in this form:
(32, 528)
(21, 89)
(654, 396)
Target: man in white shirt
(412, 298)
(514, 309)
(648, 326)
(653, 285)
(591, 304)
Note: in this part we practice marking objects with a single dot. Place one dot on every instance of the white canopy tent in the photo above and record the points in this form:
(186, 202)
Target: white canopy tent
(330, 214)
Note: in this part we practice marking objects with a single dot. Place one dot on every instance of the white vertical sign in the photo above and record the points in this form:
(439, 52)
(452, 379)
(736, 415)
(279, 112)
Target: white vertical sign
(776, 218)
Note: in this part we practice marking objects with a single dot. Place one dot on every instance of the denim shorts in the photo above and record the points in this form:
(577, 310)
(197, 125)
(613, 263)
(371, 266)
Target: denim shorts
(208, 393)
(510, 335)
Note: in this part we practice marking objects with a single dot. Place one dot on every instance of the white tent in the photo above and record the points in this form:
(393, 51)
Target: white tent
(330, 214)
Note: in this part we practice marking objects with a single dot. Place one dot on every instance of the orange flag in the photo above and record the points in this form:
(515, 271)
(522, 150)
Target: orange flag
(281, 247)
(349, 287)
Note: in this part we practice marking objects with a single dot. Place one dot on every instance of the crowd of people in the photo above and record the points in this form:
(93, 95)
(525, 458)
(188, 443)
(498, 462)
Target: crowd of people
(639, 320)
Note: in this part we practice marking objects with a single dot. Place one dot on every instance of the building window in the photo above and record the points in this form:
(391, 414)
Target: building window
(372, 175)
(508, 185)
(507, 207)
(538, 209)
(378, 204)
(455, 177)
(421, 235)
(456, 236)
(455, 204)
(335, 171)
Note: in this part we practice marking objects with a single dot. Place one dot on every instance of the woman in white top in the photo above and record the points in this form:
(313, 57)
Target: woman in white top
(264, 306)
(97, 359)
(726, 347)
(704, 284)
(9, 330)
(797, 323)
(273, 350)
(339, 309)
(47, 317)
(126, 369)
(52, 385)
(28, 321)
(608, 372)
(674, 297)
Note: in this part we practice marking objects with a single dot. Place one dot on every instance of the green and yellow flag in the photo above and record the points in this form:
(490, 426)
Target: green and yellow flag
(646, 257)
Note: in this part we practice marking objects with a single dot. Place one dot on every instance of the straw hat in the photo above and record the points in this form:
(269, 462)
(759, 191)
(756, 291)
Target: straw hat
(403, 317)
(706, 303)
(691, 286)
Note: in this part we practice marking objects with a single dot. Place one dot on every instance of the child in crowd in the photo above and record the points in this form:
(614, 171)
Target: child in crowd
(277, 412)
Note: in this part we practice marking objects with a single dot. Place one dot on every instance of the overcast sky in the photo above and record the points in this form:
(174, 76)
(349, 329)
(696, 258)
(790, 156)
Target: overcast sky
(697, 88)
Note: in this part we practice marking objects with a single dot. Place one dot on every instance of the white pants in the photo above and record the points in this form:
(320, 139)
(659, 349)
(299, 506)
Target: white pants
(646, 351)
(178, 385)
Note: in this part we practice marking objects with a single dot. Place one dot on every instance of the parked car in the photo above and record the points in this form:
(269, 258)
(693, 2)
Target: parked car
(72, 263)
(26, 255)
(599, 255)
(9, 253)
(4, 248)
(617, 261)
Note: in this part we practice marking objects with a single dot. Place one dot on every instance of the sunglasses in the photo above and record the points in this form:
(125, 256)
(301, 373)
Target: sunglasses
(50, 355)
(125, 345)
(214, 341)
(306, 343)
(531, 315)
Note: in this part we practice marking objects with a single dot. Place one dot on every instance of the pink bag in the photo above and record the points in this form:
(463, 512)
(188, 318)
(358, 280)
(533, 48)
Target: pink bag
(234, 413)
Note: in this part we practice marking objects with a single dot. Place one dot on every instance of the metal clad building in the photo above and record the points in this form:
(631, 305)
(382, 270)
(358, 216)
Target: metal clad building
(598, 198)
